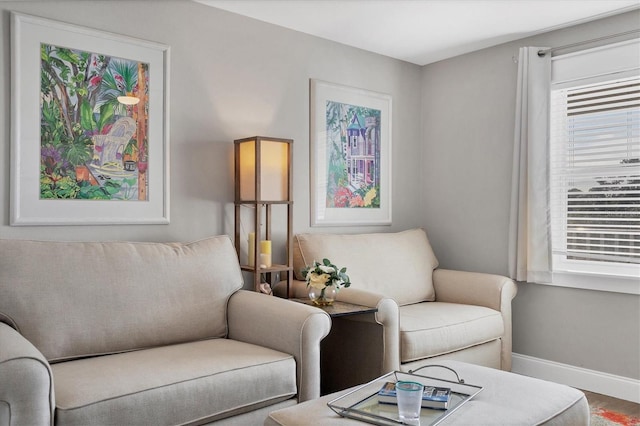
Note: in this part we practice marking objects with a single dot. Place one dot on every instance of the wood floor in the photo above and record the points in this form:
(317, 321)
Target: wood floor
(619, 405)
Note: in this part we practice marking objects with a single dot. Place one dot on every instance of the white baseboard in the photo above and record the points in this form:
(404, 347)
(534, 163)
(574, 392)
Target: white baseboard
(581, 378)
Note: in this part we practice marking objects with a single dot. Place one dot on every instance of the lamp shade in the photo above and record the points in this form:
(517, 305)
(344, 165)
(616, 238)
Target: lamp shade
(263, 169)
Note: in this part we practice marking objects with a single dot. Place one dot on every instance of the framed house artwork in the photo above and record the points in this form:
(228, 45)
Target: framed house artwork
(350, 156)
(89, 126)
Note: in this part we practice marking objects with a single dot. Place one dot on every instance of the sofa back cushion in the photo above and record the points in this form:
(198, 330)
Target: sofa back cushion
(76, 299)
(398, 265)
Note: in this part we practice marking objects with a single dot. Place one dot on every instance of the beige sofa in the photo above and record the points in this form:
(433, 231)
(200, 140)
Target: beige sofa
(120, 333)
(425, 313)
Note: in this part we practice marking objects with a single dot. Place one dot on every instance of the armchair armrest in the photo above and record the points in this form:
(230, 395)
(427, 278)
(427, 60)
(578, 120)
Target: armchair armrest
(286, 326)
(388, 316)
(26, 383)
(475, 288)
(298, 289)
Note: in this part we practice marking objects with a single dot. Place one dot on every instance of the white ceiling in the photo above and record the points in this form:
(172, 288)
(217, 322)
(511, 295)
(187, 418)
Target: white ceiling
(424, 31)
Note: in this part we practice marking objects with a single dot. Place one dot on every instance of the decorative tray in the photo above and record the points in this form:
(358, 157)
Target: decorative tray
(362, 402)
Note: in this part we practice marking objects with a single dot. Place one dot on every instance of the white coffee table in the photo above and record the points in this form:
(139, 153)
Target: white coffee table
(507, 399)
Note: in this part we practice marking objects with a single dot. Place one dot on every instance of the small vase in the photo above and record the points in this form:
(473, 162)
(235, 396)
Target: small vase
(323, 297)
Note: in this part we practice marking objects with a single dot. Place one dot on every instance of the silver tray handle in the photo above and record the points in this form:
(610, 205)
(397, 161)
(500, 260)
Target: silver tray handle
(441, 366)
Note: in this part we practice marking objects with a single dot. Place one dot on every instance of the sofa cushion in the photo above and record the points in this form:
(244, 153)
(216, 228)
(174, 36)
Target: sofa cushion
(75, 299)
(431, 329)
(210, 379)
(399, 265)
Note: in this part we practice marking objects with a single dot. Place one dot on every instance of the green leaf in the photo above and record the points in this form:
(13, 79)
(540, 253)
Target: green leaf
(47, 112)
(66, 188)
(44, 54)
(106, 114)
(62, 68)
(86, 116)
(46, 193)
(326, 262)
(90, 192)
(68, 55)
(79, 152)
(111, 187)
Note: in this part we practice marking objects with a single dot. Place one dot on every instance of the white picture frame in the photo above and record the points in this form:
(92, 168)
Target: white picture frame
(144, 197)
(350, 156)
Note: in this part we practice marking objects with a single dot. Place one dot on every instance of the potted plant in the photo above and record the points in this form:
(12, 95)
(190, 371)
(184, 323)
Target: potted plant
(324, 280)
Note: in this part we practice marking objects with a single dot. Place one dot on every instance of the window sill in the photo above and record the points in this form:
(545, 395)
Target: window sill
(588, 281)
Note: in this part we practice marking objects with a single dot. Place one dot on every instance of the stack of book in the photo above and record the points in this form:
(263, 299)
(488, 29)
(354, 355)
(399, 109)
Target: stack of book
(432, 397)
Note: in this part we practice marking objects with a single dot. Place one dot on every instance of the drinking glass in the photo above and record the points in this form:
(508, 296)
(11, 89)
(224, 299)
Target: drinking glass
(409, 396)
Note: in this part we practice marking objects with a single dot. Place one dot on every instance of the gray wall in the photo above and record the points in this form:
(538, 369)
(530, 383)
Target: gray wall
(233, 77)
(468, 122)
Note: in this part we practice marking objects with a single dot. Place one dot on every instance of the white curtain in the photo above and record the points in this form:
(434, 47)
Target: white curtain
(529, 253)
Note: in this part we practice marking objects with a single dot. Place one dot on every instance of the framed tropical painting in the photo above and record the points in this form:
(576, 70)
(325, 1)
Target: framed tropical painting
(350, 156)
(89, 136)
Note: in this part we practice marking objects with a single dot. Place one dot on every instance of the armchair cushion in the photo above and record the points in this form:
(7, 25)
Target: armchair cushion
(436, 328)
(399, 265)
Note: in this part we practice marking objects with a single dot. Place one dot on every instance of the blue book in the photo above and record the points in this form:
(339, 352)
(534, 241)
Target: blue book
(432, 396)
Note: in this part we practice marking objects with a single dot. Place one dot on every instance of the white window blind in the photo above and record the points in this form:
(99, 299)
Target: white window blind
(595, 175)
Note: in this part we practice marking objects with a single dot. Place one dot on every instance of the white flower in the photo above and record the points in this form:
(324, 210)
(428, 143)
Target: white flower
(327, 269)
(321, 275)
(318, 281)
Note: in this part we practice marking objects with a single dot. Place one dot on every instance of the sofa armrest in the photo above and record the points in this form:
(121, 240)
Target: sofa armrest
(286, 326)
(26, 383)
(475, 288)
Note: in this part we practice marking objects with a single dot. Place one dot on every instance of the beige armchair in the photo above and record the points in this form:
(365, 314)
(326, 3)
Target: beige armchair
(425, 313)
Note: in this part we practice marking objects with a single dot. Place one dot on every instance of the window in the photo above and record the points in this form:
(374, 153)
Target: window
(594, 169)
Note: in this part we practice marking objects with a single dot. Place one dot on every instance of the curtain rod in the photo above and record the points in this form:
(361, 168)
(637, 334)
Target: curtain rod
(541, 53)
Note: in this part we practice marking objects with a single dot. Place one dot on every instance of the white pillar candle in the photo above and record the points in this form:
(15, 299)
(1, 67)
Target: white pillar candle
(265, 254)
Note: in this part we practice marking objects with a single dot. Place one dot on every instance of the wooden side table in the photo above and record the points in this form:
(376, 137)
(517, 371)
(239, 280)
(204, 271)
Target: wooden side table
(344, 361)
(340, 309)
